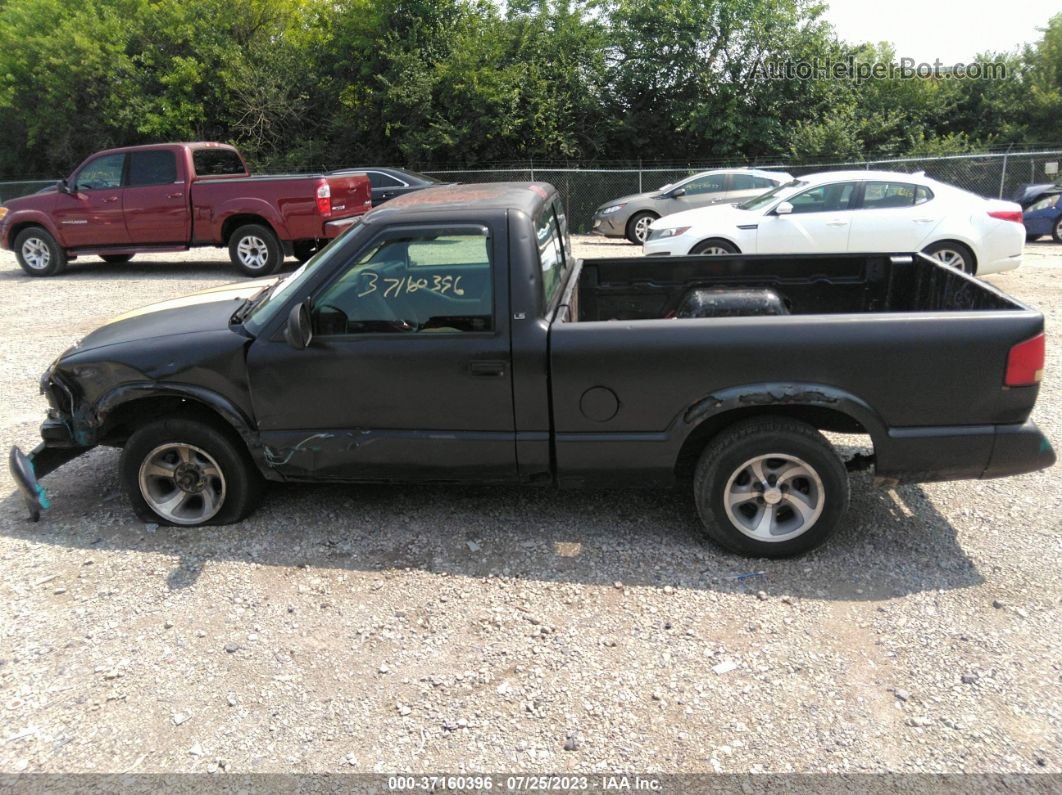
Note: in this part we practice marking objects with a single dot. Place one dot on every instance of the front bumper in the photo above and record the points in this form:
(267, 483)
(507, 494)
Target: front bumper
(919, 455)
(666, 247)
(611, 225)
(26, 470)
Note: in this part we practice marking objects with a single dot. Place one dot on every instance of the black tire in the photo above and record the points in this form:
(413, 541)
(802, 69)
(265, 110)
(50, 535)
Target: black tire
(1030, 238)
(780, 445)
(304, 249)
(638, 226)
(208, 499)
(954, 254)
(715, 245)
(1056, 231)
(38, 253)
(116, 259)
(255, 250)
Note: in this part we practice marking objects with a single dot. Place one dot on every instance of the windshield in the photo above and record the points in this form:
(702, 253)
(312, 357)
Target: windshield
(271, 304)
(761, 201)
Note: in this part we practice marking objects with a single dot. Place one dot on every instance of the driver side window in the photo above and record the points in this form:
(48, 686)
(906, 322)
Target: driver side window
(824, 198)
(423, 281)
(714, 183)
(102, 173)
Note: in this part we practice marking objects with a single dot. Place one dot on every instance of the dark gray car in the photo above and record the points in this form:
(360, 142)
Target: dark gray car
(630, 216)
(389, 183)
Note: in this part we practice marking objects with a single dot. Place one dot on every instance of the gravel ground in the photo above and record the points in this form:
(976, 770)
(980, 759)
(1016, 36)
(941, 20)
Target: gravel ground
(385, 629)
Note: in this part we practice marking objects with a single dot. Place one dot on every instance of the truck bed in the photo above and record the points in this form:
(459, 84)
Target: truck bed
(894, 346)
(641, 289)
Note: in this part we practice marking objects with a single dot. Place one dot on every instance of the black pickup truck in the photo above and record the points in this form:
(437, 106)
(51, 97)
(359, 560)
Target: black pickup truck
(451, 336)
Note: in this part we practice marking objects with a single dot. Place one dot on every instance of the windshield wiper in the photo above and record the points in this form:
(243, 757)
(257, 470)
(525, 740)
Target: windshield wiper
(249, 304)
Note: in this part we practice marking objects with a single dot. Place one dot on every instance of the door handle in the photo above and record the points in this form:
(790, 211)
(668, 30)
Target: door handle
(836, 223)
(110, 199)
(924, 220)
(174, 195)
(488, 367)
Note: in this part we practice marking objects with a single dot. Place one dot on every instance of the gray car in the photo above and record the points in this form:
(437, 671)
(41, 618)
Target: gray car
(630, 216)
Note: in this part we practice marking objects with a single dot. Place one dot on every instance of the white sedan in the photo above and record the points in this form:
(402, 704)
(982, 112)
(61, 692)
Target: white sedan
(854, 211)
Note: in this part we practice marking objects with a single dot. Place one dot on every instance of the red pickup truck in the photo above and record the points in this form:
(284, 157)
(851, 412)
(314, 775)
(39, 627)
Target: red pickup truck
(171, 197)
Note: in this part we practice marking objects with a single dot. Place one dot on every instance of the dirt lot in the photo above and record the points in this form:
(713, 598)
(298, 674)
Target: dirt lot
(389, 629)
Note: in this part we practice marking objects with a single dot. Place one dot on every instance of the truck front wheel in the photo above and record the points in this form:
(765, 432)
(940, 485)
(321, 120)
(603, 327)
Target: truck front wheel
(38, 253)
(255, 250)
(185, 472)
(770, 487)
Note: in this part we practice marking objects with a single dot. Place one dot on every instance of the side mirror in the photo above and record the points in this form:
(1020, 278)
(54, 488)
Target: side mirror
(299, 330)
(663, 188)
(784, 208)
(677, 192)
(64, 187)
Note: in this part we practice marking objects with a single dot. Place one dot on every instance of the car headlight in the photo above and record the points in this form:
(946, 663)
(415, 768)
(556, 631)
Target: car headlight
(3, 213)
(615, 208)
(664, 234)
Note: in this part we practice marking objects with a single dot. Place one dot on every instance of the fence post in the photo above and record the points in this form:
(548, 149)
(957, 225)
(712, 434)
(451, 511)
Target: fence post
(1003, 172)
(640, 189)
(531, 161)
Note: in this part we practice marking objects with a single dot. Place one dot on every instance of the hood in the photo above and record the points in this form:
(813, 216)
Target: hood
(40, 200)
(718, 215)
(208, 310)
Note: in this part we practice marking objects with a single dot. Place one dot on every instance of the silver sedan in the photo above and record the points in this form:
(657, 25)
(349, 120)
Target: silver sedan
(630, 216)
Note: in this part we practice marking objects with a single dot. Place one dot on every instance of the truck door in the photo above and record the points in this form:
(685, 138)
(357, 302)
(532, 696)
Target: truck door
(91, 214)
(408, 375)
(156, 199)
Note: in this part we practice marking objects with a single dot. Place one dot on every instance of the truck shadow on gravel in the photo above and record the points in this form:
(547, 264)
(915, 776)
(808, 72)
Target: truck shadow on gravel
(894, 543)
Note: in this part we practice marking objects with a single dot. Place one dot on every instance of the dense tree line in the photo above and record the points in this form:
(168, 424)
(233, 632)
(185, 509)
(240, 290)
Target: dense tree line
(302, 84)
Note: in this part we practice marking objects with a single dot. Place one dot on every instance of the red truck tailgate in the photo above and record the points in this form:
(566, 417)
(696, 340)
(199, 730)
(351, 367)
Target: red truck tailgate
(351, 195)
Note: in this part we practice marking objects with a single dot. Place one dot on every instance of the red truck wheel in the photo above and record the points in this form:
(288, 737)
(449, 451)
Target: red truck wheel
(255, 250)
(37, 252)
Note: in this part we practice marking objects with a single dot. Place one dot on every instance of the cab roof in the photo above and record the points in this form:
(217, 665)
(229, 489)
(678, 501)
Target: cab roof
(528, 197)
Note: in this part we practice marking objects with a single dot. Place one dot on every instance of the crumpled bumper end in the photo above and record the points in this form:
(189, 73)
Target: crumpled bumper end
(33, 495)
(27, 469)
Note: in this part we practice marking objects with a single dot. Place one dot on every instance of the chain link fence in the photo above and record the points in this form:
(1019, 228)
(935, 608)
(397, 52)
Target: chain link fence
(12, 190)
(997, 174)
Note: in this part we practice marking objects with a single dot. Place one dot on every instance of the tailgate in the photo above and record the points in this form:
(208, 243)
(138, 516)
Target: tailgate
(351, 195)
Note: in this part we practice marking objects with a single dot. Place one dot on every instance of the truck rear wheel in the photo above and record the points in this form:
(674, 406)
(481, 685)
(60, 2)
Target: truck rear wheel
(255, 250)
(38, 253)
(770, 487)
(188, 473)
(304, 249)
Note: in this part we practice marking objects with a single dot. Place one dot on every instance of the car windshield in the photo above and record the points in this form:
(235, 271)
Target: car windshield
(269, 306)
(761, 201)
